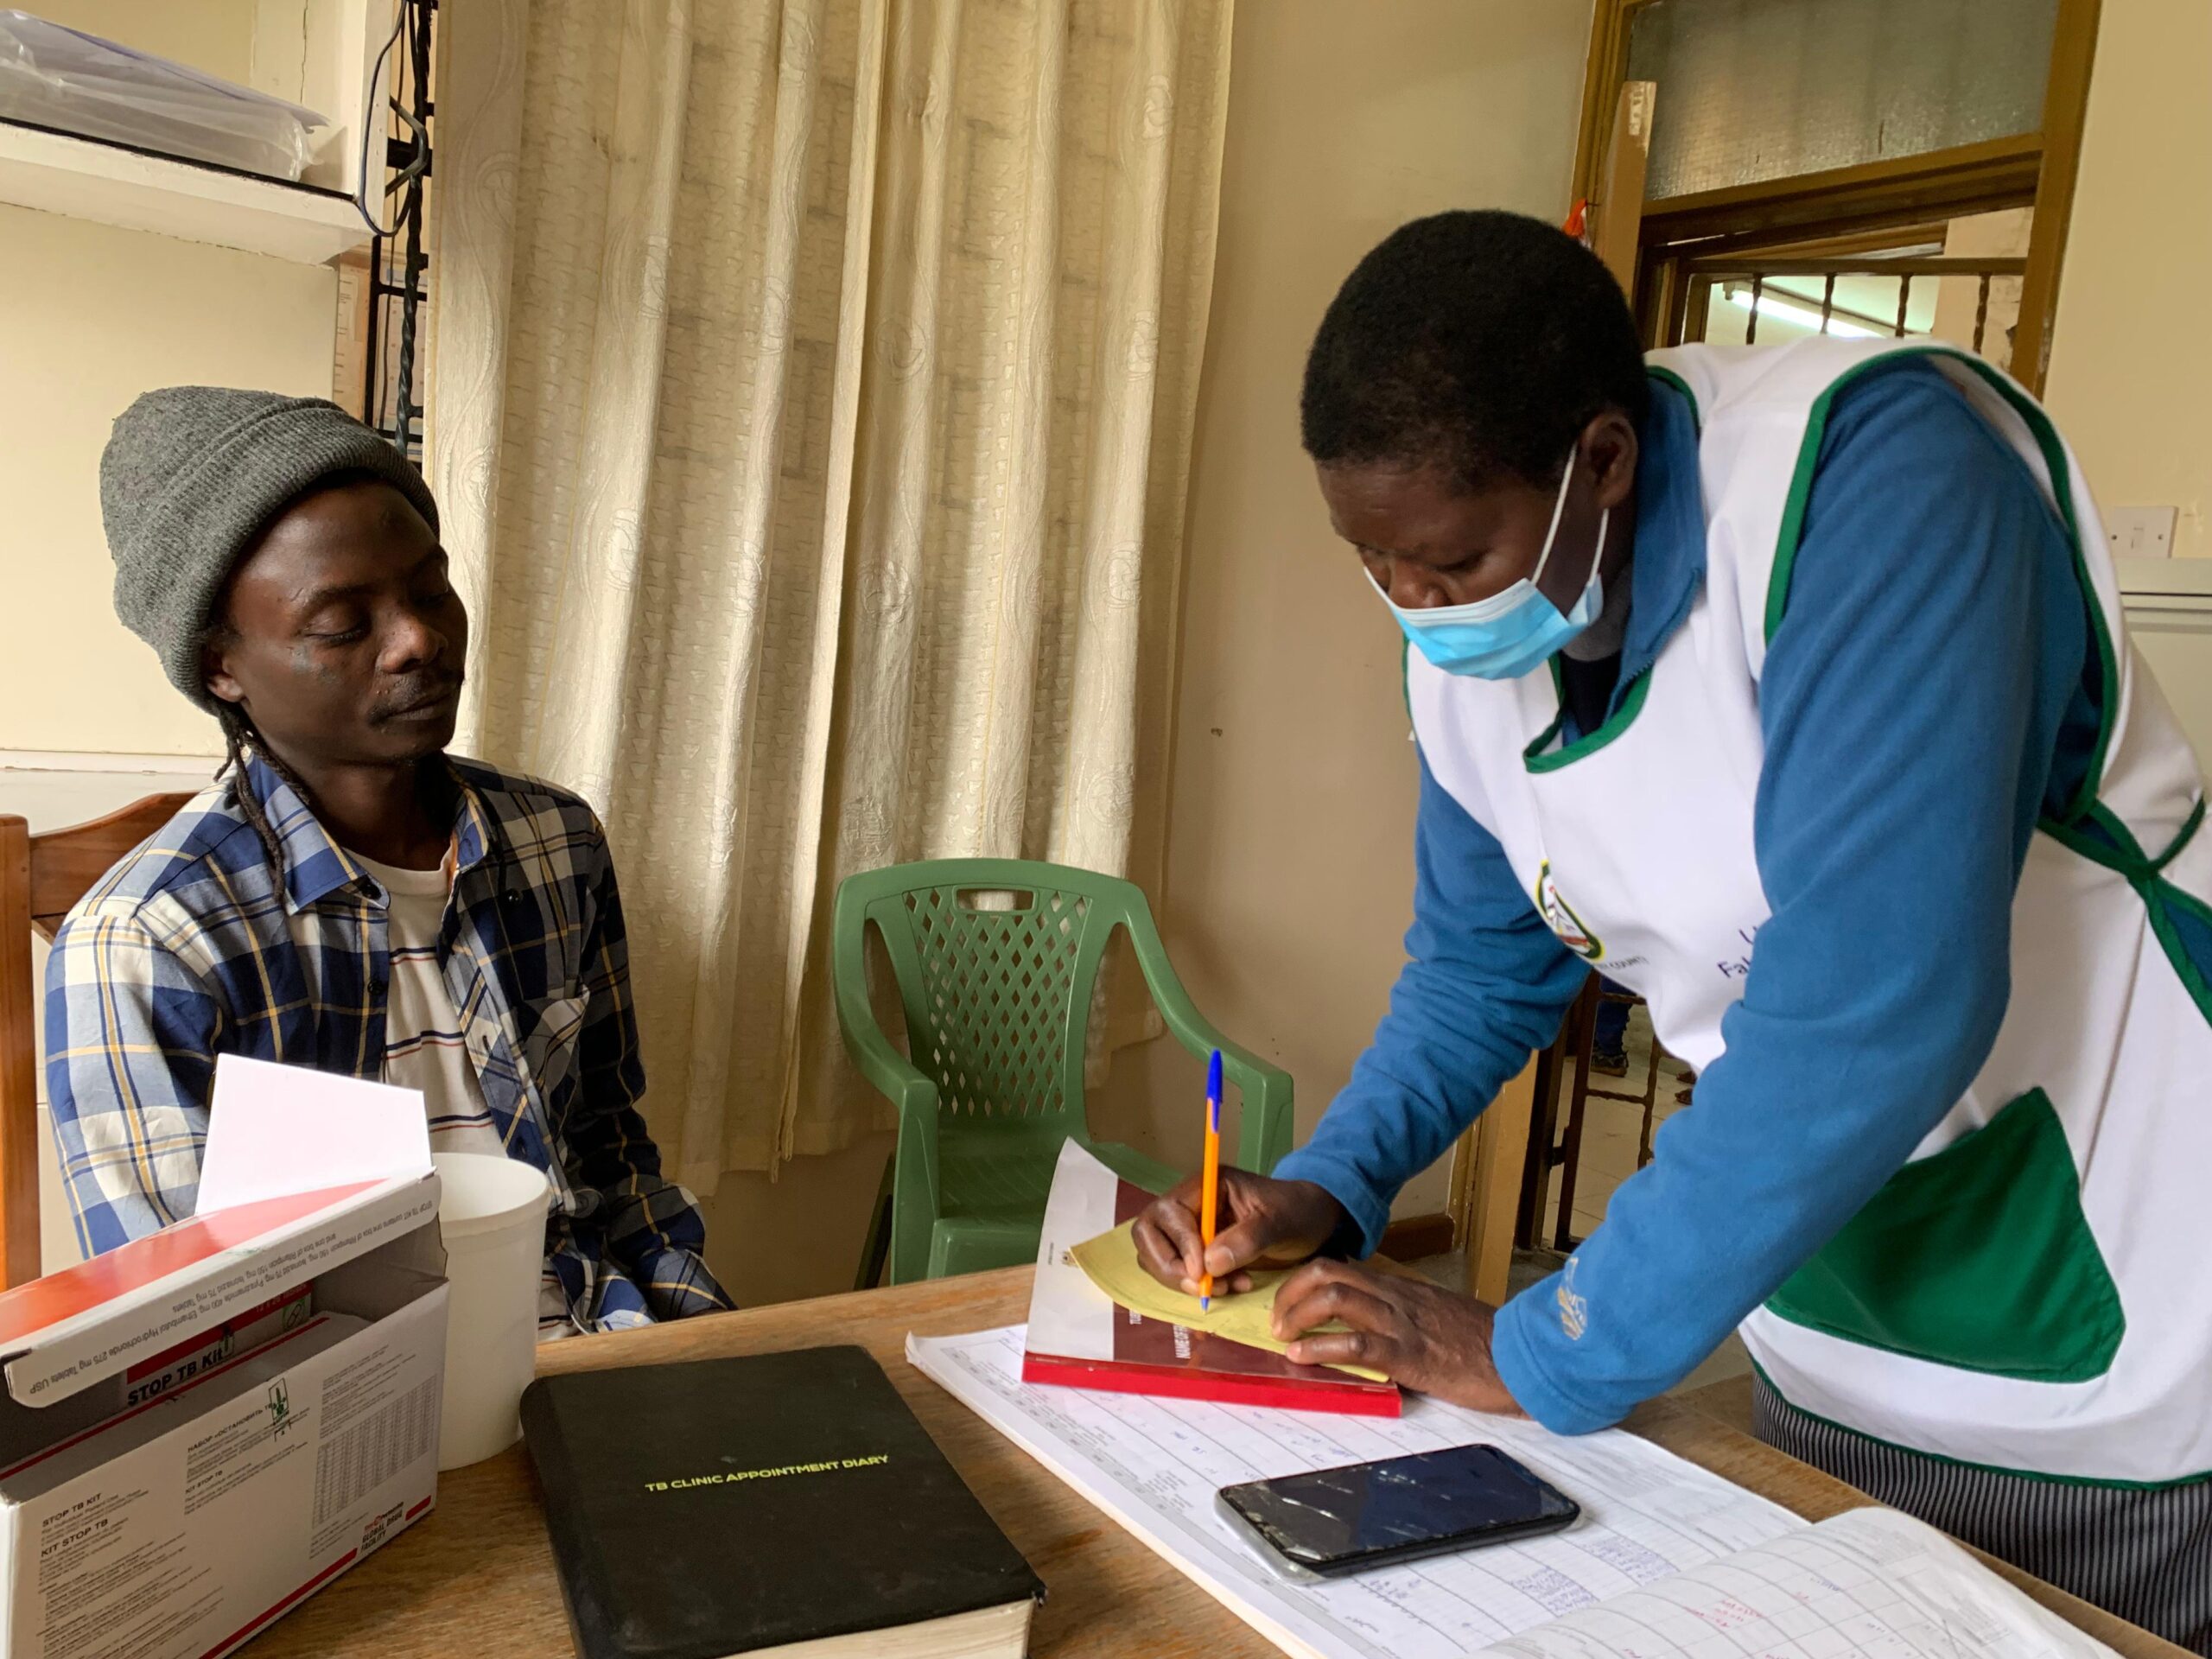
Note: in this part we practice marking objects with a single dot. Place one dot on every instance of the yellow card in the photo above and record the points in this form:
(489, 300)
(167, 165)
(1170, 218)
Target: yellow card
(1110, 1259)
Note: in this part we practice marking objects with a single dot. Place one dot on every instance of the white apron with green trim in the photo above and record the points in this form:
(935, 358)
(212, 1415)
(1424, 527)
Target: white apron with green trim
(2033, 1290)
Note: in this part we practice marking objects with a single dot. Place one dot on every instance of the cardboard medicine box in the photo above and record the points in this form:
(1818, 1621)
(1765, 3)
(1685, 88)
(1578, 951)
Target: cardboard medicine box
(203, 1427)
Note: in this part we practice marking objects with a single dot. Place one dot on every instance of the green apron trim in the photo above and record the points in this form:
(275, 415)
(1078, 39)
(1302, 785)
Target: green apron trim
(1967, 1463)
(2101, 838)
(1697, 414)
(1978, 1257)
(2062, 489)
(1615, 723)
(2163, 899)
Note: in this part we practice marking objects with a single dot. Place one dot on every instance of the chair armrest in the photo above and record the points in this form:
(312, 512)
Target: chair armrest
(917, 1181)
(898, 1079)
(904, 1085)
(894, 1076)
(1266, 1122)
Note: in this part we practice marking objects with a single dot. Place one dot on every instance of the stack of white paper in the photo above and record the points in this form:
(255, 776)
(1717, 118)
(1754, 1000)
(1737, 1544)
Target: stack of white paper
(1668, 1560)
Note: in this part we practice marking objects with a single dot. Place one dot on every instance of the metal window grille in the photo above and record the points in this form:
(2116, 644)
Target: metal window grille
(398, 276)
(1804, 293)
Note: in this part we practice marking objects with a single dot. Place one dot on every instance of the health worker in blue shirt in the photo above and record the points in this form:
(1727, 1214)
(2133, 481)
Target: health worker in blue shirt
(1788, 687)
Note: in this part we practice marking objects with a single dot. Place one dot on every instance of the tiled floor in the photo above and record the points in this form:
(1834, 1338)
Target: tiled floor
(1611, 1128)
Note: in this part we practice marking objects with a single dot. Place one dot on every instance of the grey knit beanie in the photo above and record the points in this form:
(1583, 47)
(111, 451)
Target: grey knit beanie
(191, 474)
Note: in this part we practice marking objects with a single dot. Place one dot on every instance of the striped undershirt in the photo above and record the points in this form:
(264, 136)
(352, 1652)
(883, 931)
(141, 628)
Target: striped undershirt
(425, 1047)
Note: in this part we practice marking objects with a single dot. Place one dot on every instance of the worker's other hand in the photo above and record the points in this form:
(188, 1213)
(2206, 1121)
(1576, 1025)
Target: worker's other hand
(1261, 1222)
(1412, 1332)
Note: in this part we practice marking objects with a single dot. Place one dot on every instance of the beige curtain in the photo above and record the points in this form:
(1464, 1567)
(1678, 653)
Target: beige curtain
(811, 413)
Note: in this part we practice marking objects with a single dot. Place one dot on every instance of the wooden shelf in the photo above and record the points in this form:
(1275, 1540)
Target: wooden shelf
(108, 185)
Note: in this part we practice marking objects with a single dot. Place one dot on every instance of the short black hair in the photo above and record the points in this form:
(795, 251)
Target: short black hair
(1479, 342)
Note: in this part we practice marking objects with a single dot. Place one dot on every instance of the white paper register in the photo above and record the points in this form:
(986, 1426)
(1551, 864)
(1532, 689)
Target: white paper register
(1668, 1560)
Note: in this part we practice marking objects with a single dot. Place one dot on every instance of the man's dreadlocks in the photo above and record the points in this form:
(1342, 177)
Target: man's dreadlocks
(240, 735)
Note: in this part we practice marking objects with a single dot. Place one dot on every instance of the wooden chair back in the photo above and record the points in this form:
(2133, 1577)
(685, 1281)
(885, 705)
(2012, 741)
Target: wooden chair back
(40, 878)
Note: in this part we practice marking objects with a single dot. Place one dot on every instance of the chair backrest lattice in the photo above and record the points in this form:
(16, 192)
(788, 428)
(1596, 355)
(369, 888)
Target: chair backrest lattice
(997, 992)
(999, 965)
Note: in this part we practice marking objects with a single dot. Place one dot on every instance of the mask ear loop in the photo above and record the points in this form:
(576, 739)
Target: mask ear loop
(1559, 510)
(1598, 552)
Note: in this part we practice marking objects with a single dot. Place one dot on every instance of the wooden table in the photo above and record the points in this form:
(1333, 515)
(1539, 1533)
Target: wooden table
(474, 1578)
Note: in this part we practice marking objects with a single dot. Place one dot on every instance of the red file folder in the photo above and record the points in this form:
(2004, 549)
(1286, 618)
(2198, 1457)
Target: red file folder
(1079, 1338)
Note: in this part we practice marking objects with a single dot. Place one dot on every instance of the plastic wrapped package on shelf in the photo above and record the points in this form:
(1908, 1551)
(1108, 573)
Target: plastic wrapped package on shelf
(66, 81)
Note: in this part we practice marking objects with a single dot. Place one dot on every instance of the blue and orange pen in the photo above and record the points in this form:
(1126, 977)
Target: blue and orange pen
(1209, 1192)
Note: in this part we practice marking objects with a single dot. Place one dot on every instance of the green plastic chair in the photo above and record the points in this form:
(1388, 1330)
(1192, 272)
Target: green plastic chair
(997, 1003)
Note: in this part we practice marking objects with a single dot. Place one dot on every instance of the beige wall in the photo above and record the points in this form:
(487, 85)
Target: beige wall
(796, 1234)
(2130, 357)
(1958, 299)
(1290, 844)
(214, 36)
(90, 317)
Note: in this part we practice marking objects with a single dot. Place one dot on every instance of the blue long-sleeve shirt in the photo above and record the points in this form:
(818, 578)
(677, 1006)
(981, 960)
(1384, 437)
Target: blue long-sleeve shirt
(1923, 700)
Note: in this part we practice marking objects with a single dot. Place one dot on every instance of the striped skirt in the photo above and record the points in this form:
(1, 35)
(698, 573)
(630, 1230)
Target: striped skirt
(2144, 1553)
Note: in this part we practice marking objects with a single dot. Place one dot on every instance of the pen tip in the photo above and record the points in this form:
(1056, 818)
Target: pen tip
(1205, 1304)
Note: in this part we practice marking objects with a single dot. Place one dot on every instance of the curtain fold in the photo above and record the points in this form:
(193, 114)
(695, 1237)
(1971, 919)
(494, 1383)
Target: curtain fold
(811, 410)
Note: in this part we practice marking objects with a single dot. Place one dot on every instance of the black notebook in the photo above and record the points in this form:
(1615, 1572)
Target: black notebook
(743, 1506)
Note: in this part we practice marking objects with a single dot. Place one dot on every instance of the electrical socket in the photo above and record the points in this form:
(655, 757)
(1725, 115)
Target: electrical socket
(2140, 532)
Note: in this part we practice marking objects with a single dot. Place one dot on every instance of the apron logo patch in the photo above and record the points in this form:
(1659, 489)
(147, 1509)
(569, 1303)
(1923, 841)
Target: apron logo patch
(1560, 917)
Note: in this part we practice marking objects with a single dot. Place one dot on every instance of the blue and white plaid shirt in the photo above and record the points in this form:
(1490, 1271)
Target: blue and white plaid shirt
(195, 946)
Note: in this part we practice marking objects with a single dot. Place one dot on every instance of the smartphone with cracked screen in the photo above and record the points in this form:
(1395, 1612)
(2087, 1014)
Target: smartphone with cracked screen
(1332, 1522)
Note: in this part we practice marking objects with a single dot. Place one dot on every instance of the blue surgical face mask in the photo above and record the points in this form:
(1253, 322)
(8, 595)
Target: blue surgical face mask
(1514, 630)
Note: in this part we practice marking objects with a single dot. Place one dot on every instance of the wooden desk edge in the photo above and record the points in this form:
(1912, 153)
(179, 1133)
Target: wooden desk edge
(430, 1589)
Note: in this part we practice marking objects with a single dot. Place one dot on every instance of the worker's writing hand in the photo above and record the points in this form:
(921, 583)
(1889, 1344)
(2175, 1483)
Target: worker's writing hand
(1410, 1331)
(1261, 1222)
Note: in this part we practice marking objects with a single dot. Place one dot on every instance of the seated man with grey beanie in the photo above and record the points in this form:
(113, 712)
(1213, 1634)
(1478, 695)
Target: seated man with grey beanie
(347, 895)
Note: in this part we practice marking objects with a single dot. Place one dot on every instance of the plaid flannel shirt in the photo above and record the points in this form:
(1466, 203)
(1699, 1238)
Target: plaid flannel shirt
(194, 945)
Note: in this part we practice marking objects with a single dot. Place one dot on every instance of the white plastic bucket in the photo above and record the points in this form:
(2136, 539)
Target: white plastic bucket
(492, 1216)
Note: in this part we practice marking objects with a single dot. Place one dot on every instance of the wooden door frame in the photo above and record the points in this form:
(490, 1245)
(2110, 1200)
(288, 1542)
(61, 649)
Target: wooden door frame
(1875, 204)
(2037, 170)
(2065, 112)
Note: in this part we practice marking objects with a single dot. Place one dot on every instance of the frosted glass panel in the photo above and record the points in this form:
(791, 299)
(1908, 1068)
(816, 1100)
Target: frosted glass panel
(1768, 89)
